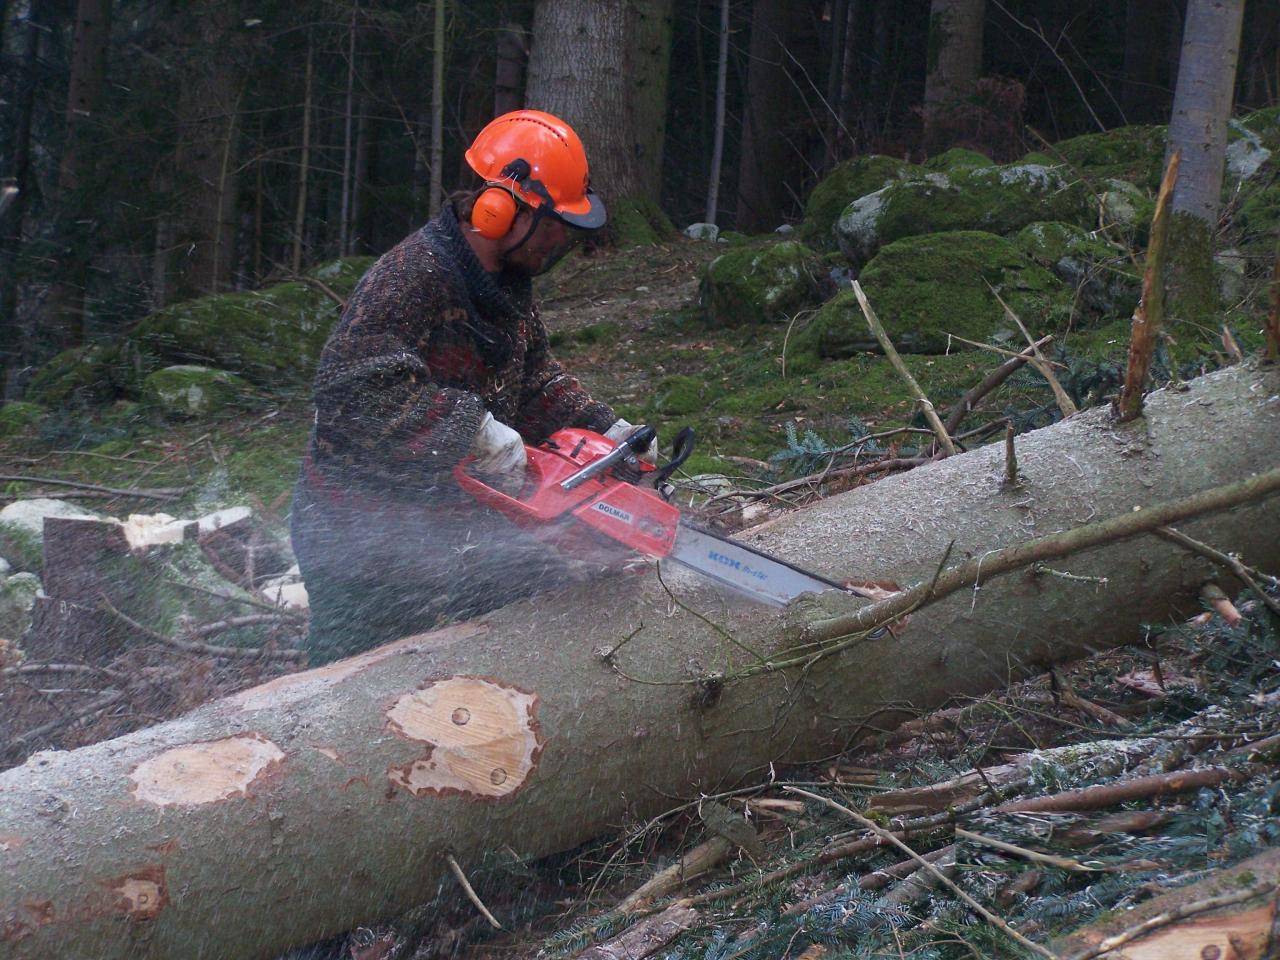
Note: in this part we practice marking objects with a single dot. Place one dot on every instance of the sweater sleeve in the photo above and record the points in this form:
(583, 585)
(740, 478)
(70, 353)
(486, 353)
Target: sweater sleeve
(550, 399)
(380, 414)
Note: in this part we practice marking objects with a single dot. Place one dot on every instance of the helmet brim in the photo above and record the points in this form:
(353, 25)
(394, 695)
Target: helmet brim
(587, 214)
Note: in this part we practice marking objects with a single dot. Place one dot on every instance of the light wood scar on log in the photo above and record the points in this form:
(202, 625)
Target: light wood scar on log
(142, 895)
(206, 772)
(482, 737)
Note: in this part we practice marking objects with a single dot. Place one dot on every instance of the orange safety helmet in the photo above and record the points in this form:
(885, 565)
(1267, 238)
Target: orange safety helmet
(537, 159)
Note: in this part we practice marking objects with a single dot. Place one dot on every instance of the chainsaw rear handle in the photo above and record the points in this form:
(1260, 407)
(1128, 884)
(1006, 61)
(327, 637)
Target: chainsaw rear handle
(681, 447)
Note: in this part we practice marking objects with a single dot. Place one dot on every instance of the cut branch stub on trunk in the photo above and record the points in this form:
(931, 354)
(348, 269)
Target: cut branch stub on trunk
(297, 800)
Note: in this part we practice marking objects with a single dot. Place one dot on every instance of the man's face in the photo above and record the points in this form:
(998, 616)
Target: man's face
(552, 239)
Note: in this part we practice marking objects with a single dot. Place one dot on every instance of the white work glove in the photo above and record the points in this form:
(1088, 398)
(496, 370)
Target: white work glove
(621, 429)
(499, 453)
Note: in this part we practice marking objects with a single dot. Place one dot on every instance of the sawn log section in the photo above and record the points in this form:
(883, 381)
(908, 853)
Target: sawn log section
(326, 798)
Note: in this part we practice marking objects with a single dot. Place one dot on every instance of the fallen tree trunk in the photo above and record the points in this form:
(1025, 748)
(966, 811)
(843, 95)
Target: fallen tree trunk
(324, 799)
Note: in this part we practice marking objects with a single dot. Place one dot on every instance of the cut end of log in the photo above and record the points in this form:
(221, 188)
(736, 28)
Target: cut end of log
(482, 738)
(201, 773)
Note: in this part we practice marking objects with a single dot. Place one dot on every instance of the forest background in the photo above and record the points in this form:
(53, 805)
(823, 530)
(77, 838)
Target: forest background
(166, 150)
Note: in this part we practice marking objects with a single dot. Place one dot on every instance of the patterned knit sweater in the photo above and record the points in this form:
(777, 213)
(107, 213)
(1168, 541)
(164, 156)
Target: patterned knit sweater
(428, 342)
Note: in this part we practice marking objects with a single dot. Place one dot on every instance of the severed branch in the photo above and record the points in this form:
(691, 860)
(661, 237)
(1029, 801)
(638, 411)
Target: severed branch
(1148, 318)
(1109, 794)
(970, 573)
(964, 406)
(917, 394)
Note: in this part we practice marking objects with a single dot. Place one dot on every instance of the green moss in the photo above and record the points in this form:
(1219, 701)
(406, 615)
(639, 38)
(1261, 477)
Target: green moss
(341, 276)
(958, 157)
(844, 184)
(734, 238)
(679, 395)
(19, 417)
(192, 391)
(1258, 218)
(923, 288)
(638, 219)
(758, 284)
(23, 548)
(1266, 124)
(1040, 157)
(1127, 211)
(1105, 281)
(1192, 305)
(1134, 153)
(271, 337)
(991, 199)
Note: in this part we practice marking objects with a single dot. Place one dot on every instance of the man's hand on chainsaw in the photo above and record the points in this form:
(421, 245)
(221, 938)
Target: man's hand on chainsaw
(621, 429)
(500, 456)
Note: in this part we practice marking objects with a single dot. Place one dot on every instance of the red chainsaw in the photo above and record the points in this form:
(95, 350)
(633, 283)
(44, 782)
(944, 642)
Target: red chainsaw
(581, 487)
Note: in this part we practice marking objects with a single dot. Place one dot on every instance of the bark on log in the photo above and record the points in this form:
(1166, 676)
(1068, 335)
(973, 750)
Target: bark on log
(324, 799)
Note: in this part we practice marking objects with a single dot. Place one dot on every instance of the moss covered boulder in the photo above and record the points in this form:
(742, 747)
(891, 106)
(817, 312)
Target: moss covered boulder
(271, 337)
(924, 288)
(1127, 210)
(991, 199)
(18, 417)
(1266, 124)
(91, 374)
(761, 284)
(17, 596)
(956, 158)
(844, 184)
(1107, 285)
(1134, 153)
(186, 390)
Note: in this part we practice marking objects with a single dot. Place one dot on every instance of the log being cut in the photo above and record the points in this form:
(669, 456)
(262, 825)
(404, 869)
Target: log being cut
(328, 798)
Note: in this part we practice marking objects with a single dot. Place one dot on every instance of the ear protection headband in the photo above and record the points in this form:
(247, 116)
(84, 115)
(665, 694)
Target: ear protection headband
(495, 209)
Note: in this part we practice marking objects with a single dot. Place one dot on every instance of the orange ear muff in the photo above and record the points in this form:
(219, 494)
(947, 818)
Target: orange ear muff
(493, 213)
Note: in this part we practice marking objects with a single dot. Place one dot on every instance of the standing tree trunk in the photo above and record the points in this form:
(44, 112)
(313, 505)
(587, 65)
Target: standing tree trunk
(954, 66)
(437, 111)
(1148, 29)
(344, 216)
(717, 149)
(13, 218)
(304, 160)
(205, 169)
(768, 156)
(320, 800)
(63, 311)
(508, 81)
(583, 68)
(1198, 130)
(649, 66)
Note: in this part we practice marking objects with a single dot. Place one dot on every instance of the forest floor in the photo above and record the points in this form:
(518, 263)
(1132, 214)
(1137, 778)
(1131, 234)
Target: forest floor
(786, 876)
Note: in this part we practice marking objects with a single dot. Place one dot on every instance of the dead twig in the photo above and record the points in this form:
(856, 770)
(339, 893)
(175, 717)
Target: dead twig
(191, 646)
(1037, 360)
(1062, 863)
(964, 406)
(917, 393)
(160, 493)
(1148, 318)
(471, 894)
(1246, 575)
(885, 836)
